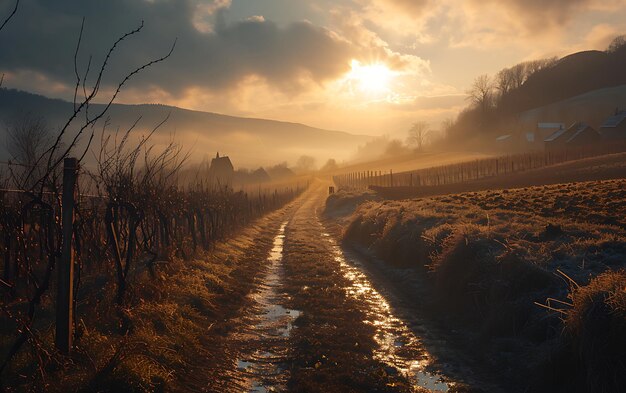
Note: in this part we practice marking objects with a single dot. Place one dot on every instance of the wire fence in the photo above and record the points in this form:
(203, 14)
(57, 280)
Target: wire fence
(476, 169)
(55, 238)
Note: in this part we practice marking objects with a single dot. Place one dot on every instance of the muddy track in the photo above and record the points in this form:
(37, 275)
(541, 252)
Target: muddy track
(312, 321)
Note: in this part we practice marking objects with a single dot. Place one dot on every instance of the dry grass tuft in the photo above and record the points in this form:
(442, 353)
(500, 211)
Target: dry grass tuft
(596, 325)
(493, 255)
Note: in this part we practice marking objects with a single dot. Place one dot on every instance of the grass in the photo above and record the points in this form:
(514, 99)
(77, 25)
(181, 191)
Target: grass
(595, 327)
(168, 337)
(489, 256)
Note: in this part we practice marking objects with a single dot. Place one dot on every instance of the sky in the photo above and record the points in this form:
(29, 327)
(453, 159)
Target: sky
(363, 66)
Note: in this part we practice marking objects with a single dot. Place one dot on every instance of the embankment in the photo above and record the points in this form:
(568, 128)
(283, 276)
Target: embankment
(533, 277)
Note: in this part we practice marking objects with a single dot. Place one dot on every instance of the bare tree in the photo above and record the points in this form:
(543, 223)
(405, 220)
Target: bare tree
(54, 156)
(10, 16)
(418, 133)
(535, 66)
(28, 137)
(6, 20)
(305, 163)
(617, 43)
(481, 92)
(504, 81)
(80, 121)
(518, 75)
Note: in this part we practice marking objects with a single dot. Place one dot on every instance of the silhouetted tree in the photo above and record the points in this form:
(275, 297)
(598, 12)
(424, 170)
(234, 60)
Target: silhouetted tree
(395, 147)
(28, 138)
(305, 163)
(418, 133)
(617, 43)
(481, 92)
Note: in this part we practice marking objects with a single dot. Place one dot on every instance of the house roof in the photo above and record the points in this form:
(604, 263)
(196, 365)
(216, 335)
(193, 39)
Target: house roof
(579, 128)
(571, 133)
(222, 164)
(555, 135)
(614, 120)
(550, 125)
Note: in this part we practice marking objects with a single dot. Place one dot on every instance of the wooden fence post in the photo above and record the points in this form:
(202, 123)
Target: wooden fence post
(65, 267)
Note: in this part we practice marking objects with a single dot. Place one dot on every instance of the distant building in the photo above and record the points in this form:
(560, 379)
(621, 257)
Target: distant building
(222, 170)
(578, 134)
(260, 176)
(615, 126)
(280, 172)
(505, 142)
(534, 140)
(545, 130)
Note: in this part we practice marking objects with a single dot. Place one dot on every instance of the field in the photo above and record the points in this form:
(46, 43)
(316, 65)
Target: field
(611, 166)
(411, 162)
(530, 275)
(153, 265)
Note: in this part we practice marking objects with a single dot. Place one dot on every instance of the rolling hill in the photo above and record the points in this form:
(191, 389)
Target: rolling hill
(592, 107)
(571, 76)
(249, 142)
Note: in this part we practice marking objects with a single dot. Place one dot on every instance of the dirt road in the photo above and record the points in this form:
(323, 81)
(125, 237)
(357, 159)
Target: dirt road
(316, 322)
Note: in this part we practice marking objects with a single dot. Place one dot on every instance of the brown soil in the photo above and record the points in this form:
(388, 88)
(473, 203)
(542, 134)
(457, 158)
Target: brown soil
(333, 347)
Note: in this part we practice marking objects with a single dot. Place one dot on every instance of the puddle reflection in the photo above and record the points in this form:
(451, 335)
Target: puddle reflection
(398, 347)
(268, 337)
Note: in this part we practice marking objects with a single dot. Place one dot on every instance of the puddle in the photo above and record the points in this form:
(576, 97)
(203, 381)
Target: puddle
(268, 337)
(398, 347)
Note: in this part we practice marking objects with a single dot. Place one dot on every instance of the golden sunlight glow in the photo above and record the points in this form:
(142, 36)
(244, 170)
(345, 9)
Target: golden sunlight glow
(371, 78)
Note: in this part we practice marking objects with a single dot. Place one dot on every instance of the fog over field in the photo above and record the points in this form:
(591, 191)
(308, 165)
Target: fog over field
(313, 196)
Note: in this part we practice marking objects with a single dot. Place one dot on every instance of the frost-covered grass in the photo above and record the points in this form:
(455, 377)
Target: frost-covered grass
(344, 201)
(491, 257)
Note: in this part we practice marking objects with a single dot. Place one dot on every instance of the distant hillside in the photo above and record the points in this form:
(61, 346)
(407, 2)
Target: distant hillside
(249, 142)
(586, 86)
(570, 76)
(592, 107)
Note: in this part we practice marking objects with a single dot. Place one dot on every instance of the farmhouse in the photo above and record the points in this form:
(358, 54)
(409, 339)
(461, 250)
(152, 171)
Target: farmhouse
(545, 130)
(260, 176)
(615, 126)
(534, 140)
(578, 134)
(222, 170)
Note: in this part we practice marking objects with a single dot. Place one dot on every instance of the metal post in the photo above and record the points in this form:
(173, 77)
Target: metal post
(65, 267)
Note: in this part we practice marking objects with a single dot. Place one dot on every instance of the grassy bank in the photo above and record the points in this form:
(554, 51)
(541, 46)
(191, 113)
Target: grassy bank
(491, 257)
(168, 336)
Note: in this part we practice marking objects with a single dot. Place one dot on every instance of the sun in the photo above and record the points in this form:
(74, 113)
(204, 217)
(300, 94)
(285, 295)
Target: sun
(371, 78)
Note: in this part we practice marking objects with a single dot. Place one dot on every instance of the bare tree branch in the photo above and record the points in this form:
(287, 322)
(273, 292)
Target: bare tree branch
(17, 3)
(55, 159)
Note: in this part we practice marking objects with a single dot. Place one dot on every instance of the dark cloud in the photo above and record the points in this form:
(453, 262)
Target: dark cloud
(43, 36)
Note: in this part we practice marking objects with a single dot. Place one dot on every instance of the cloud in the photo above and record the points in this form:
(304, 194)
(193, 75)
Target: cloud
(209, 53)
(484, 23)
(413, 8)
